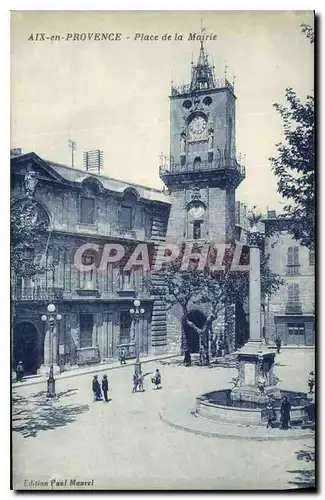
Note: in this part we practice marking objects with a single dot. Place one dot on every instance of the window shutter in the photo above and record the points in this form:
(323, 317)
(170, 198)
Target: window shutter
(290, 292)
(290, 256)
(296, 256)
(296, 292)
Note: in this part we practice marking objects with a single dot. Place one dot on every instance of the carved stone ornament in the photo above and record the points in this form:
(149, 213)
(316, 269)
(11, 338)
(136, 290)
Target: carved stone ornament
(253, 218)
(183, 144)
(255, 239)
(30, 182)
(196, 195)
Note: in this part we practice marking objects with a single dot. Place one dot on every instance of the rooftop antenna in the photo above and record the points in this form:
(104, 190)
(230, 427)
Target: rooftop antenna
(73, 146)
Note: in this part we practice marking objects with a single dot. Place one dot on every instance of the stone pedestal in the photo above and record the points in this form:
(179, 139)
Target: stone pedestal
(256, 378)
(50, 353)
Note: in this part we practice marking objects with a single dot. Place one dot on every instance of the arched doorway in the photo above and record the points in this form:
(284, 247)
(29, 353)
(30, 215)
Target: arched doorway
(25, 346)
(192, 336)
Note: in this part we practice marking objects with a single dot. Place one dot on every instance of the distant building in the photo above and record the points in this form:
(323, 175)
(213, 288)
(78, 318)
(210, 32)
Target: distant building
(290, 312)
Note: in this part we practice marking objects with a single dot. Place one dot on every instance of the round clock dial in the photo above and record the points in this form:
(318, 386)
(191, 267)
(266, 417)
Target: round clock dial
(197, 127)
(196, 212)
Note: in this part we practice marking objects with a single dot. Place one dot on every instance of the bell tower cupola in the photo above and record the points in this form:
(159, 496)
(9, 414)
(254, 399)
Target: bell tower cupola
(202, 171)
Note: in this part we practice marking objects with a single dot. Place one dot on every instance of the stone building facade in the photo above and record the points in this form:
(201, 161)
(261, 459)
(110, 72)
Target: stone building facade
(81, 208)
(290, 312)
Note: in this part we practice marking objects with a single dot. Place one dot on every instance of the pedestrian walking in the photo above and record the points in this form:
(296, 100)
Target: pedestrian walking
(311, 382)
(270, 414)
(135, 382)
(187, 358)
(278, 344)
(19, 371)
(122, 354)
(157, 379)
(285, 413)
(105, 388)
(140, 382)
(96, 389)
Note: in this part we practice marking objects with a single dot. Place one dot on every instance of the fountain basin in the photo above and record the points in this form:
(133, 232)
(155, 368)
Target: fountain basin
(219, 406)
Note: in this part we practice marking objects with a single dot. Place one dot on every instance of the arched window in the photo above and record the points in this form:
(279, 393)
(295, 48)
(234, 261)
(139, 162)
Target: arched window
(197, 162)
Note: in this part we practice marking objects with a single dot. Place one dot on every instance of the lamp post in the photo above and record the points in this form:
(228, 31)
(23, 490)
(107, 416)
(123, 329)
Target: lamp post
(52, 319)
(135, 313)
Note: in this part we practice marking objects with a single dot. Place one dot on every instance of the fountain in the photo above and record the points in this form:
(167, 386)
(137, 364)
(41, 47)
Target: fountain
(256, 382)
(240, 412)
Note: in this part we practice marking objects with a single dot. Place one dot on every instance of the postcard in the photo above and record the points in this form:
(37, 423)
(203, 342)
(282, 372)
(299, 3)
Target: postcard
(162, 250)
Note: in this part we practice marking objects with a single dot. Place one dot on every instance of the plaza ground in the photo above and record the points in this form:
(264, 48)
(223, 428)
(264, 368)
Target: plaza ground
(125, 445)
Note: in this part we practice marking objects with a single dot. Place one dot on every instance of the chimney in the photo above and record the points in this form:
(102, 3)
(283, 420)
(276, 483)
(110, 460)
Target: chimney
(93, 160)
(271, 214)
(15, 152)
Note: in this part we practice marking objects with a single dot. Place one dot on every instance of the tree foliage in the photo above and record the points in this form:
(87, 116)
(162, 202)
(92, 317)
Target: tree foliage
(216, 289)
(27, 232)
(294, 165)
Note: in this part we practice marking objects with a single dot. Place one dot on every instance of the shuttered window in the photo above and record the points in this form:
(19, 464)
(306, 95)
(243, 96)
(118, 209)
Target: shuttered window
(293, 266)
(125, 219)
(86, 330)
(293, 292)
(87, 210)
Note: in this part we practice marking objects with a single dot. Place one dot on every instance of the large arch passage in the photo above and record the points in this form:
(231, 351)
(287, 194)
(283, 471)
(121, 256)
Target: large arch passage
(26, 347)
(192, 336)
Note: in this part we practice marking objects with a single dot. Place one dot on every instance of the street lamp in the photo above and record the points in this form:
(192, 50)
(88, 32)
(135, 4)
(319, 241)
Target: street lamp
(52, 318)
(135, 313)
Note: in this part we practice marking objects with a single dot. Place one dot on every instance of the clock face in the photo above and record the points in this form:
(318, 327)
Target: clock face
(197, 127)
(196, 212)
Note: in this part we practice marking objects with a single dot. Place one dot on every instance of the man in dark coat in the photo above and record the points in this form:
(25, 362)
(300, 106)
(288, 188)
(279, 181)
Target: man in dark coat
(278, 344)
(105, 388)
(285, 413)
(20, 371)
(96, 389)
(311, 382)
(135, 382)
(187, 358)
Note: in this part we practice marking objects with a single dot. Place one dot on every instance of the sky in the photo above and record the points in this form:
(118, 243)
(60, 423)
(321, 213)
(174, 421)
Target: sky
(113, 95)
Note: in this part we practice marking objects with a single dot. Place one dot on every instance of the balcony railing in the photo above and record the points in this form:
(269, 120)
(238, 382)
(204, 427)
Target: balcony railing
(202, 166)
(293, 270)
(293, 308)
(219, 83)
(37, 293)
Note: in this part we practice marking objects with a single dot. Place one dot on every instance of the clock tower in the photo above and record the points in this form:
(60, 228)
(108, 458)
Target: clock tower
(202, 173)
(201, 176)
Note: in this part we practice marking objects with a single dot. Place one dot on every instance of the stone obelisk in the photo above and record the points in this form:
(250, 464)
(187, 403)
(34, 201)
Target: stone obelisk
(256, 380)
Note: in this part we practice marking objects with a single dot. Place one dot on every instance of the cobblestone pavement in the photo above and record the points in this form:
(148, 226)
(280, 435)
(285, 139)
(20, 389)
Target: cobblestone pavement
(124, 445)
